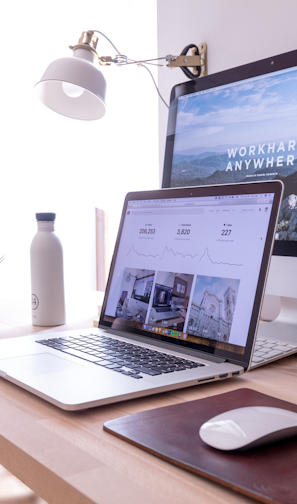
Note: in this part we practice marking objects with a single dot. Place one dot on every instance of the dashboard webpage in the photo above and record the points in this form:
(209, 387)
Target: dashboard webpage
(188, 268)
(241, 132)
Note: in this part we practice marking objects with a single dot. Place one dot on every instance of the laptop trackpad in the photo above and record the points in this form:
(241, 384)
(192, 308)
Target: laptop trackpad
(36, 364)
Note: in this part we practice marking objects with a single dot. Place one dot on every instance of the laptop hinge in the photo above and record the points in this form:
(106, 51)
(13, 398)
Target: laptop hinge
(168, 346)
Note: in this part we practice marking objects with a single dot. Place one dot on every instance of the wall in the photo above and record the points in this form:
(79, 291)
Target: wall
(53, 163)
(236, 32)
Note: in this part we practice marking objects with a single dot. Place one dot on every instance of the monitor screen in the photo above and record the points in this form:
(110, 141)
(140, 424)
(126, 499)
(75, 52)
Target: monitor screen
(239, 125)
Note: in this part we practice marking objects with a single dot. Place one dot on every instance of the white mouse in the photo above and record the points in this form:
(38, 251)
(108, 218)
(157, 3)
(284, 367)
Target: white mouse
(249, 427)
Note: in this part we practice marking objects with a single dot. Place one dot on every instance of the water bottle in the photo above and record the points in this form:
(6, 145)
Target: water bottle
(47, 278)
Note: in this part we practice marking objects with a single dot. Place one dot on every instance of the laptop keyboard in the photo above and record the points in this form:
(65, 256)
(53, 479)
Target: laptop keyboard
(267, 350)
(126, 358)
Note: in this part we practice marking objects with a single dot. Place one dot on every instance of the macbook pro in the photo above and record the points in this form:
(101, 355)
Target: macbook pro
(181, 306)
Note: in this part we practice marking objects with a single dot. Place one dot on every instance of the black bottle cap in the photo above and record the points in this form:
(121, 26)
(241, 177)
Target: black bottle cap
(46, 216)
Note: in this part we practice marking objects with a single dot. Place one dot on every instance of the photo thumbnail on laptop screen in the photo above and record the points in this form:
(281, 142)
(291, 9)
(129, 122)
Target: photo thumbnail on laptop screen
(241, 132)
(185, 268)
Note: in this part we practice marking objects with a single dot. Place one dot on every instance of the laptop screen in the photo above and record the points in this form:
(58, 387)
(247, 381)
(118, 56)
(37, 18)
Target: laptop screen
(187, 264)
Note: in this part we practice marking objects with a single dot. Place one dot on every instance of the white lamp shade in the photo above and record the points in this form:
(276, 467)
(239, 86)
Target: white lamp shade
(87, 105)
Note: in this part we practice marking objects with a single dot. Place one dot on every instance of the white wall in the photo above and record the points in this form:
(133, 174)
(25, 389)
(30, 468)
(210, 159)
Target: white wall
(236, 32)
(51, 163)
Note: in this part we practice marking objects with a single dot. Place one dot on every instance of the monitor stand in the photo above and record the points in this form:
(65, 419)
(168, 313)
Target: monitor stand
(284, 327)
(282, 281)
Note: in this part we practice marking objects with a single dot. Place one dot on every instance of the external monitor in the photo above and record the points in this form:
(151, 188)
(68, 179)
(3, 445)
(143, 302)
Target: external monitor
(240, 125)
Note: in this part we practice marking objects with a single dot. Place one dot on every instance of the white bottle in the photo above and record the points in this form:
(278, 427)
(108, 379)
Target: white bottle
(47, 279)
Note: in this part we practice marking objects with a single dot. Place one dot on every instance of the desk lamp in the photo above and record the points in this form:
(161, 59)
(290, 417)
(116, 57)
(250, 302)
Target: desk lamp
(75, 87)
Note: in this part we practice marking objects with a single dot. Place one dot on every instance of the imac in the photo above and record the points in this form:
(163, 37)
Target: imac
(240, 125)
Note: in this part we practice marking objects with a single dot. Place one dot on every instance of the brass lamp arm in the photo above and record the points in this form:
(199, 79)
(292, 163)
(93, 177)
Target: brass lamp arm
(197, 60)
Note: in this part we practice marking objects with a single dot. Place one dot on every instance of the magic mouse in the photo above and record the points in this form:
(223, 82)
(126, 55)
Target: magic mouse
(244, 428)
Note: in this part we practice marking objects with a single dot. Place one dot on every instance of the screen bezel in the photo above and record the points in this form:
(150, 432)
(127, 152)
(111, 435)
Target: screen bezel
(237, 74)
(275, 187)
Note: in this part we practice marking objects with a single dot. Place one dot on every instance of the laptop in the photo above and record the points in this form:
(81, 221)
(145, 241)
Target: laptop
(201, 252)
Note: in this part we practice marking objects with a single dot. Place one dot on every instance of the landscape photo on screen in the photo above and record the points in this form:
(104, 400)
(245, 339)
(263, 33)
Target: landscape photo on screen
(241, 132)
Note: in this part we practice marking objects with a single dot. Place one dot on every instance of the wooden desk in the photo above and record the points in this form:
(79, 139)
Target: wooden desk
(66, 458)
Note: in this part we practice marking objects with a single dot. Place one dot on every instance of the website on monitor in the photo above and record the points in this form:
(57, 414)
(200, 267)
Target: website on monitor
(241, 132)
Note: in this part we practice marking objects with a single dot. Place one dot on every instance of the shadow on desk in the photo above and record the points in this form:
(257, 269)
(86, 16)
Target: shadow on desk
(13, 491)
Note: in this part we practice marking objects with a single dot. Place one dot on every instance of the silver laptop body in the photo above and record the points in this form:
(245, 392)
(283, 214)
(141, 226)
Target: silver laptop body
(181, 305)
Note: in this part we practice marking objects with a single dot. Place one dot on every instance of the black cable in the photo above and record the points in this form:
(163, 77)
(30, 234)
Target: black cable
(185, 69)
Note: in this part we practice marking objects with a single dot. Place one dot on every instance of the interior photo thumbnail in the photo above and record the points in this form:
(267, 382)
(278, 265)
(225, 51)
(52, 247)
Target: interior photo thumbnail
(135, 294)
(170, 300)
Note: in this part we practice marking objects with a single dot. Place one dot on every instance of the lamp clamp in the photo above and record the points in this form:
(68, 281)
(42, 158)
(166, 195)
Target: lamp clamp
(105, 60)
(197, 60)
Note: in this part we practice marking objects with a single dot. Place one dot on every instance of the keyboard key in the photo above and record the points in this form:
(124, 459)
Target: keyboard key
(130, 365)
(148, 371)
(112, 366)
(273, 353)
(281, 348)
(81, 355)
(258, 359)
(60, 347)
(102, 363)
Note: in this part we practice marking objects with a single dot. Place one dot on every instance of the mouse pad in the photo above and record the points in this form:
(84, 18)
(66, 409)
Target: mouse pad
(266, 473)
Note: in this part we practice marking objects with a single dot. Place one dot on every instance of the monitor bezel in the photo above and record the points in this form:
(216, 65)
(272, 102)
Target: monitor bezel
(236, 74)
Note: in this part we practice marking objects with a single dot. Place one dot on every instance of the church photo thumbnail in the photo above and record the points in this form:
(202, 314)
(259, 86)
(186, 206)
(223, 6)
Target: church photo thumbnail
(212, 308)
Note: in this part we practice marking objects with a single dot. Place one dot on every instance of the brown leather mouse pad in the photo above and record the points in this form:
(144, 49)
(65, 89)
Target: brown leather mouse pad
(267, 474)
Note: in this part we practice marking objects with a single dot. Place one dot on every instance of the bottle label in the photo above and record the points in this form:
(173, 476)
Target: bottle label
(34, 301)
